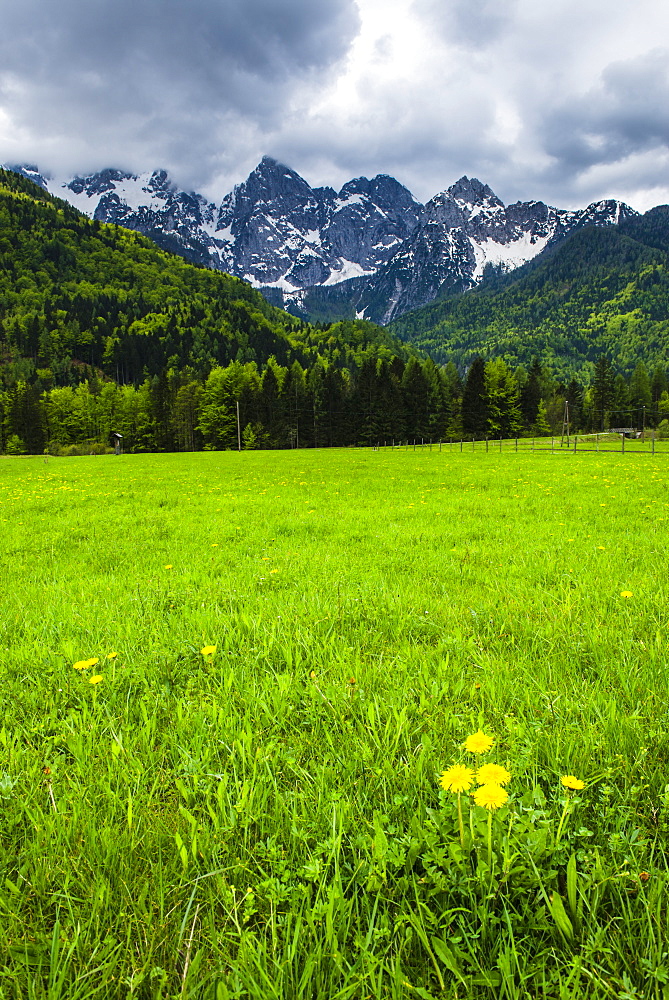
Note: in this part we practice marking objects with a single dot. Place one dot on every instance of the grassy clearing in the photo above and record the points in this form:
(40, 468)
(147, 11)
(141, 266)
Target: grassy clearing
(267, 821)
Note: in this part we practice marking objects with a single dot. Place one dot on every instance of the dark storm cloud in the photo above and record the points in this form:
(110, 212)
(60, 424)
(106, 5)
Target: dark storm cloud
(626, 114)
(159, 79)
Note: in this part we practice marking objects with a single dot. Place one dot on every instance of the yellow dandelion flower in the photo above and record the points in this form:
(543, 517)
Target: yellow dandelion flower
(95, 679)
(625, 593)
(168, 566)
(478, 742)
(492, 774)
(490, 796)
(112, 656)
(208, 650)
(457, 778)
(569, 781)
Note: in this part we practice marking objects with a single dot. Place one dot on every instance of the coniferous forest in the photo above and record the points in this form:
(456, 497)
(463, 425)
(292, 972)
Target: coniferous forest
(101, 333)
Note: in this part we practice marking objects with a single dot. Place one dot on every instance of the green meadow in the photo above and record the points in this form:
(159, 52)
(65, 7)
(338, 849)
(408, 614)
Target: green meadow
(265, 819)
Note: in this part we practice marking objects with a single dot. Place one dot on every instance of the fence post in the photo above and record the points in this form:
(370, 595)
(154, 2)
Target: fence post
(516, 444)
(622, 437)
(552, 445)
(652, 447)
(472, 442)
(486, 444)
(574, 444)
(460, 444)
(596, 442)
(500, 442)
(532, 444)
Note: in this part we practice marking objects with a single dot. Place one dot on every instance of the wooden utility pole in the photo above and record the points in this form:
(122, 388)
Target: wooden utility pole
(565, 423)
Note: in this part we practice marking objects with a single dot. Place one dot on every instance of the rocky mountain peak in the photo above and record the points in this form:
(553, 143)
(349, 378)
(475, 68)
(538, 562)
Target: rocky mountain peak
(271, 180)
(473, 193)
(99, 183)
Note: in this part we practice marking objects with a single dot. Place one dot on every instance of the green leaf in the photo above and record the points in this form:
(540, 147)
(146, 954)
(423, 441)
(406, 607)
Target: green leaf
(572, 897)
(445, 954)
(559, 915)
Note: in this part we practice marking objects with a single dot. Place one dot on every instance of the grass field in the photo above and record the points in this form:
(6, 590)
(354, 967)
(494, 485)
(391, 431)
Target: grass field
(266, 820)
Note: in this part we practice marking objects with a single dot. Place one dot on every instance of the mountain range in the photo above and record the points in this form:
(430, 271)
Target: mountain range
(370, 250)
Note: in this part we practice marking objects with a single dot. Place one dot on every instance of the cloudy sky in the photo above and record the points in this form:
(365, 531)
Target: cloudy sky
(561, 100)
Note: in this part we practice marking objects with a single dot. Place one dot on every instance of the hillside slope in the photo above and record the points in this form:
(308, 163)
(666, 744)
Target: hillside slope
(601, 291)
(77, 293)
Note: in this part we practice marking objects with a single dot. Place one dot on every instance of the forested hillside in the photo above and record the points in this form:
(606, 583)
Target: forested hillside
(601, 292)
(77, 292)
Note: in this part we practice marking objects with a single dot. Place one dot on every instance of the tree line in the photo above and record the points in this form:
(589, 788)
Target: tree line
(376, 400)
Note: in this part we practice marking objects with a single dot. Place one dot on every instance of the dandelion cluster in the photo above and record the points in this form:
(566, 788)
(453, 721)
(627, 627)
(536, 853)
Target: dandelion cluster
(490, 778)
(85, 664)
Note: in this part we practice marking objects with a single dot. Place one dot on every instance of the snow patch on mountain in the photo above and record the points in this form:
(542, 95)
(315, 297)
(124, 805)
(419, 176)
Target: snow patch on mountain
(506, 256)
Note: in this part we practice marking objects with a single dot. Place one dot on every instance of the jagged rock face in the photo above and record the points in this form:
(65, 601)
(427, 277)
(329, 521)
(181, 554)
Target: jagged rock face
(290, 235)
(277, 232)
(369, 220)
(463, 231)
(274, 222)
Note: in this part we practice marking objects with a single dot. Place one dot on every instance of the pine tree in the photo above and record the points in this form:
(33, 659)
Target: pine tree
(503, 396)
(416, 393)
(475, 399)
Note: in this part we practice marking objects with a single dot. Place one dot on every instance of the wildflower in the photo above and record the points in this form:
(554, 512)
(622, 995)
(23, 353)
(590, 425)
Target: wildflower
(208, 650)
(112, 656)
(95, 679)
(169, 566)
(478, 742)
(492, 774)
(625, 593)
(490, 796)
(569, 781)
(457, 778)
(644, 876)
